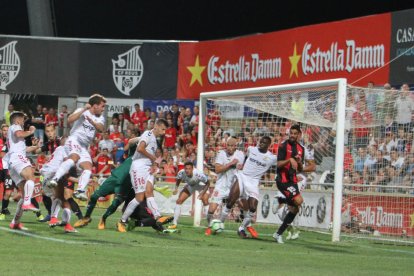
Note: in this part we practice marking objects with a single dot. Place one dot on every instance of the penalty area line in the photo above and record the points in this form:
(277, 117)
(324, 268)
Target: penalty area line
(27, 234)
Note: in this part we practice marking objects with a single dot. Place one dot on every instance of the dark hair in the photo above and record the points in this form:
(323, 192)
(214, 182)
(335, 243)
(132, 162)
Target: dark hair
(267, 138)
(96, 99)
(296, 127)
(162, 122)
(189, 163)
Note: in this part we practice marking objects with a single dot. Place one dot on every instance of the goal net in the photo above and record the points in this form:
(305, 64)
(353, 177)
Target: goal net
(362, 183)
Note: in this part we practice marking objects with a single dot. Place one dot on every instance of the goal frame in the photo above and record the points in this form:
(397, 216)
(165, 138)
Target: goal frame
(341, 84)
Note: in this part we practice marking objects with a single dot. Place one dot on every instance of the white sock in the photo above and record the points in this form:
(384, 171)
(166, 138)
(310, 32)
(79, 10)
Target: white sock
(64, 168)
(209, 219)
(224, 213)
(247, 219)
(28, 191)
(206, 210)
(56, 207)
(66, 215)
(129, 209)
(84, 180)
(177, 212)
(152, 205)
(19, 212)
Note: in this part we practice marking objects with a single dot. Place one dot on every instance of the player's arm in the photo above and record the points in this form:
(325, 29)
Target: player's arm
(204, 190)
(141, 149)
(299, 159)
(310, 166)
(78, 113)
(177, 184)
(23, 133)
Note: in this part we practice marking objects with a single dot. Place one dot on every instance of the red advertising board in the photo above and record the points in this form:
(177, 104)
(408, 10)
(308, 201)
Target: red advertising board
(348, 49)
(390, 215)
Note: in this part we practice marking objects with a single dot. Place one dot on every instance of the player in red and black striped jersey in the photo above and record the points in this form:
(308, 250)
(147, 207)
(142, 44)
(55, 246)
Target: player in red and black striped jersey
(290, 162)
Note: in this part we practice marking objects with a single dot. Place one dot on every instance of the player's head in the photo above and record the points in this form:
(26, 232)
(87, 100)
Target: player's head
(264, 143)
(4, 129)
(188, 168)
(231, 145)
(159, 127)
(97, 103)
(50, 131)
(17, 117)
(294, 133)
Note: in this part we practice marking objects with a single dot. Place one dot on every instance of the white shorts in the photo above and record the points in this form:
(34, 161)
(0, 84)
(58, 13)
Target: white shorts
(192, 188)
(249, 187)
(17, 163)
(140, 175)
(219, 194)
(72, 146)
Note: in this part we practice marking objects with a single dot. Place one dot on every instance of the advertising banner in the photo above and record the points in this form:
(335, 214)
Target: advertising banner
(349, 49)
(42, 67)
(392, 215)
(165, 105)
(315, 211)
(402, 50)
(142, 70)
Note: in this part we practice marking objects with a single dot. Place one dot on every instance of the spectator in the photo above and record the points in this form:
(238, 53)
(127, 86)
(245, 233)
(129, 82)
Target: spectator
(388, 143)
(396, 160)
(119, 146)
(51, 117)
(360, 160)
(106, 143)
(401, 140)
(362, 119)
(187, 120)
(261, 129)
(195, 119)
(10, 109)
(170, 170)
(104, 162)
(404, 107)
(63, 120)
(389, 126)
(138, 117)
(38, 121)
(170, 135)
(175, 114)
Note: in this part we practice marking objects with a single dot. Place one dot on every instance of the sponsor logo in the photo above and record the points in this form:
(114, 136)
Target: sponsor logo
(265, 205)
(336, 59)
(377, 216)
(9, 64)
(321, 210)
(275, 205)
(251, 68)
(127, 71)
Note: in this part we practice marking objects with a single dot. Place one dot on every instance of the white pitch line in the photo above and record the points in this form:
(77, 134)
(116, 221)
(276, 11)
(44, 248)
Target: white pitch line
(25, 233)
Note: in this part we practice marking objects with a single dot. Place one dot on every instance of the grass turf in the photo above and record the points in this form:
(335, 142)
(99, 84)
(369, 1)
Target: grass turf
(145, 252)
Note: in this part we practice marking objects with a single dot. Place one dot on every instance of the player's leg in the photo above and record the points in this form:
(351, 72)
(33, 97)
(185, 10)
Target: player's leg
(73, 158)
(66, 218)
(15, 223)
(68, 196)
(184, 194)
(27, 174)
(85, 163)
(47, 202)
(234, 194)
(107, 188)
(8, 189)
(248, 215)
(294, 200)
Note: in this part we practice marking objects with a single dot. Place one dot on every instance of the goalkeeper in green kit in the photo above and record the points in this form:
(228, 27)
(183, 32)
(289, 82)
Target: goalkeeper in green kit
(119, 183)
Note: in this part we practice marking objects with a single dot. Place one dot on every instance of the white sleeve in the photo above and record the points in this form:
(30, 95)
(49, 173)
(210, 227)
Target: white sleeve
(202, 177)
(16, 128)
(180, 175)
(239, 156)
(220, 159)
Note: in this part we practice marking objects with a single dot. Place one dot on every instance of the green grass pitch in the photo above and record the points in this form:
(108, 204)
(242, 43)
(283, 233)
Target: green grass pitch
(45, 251)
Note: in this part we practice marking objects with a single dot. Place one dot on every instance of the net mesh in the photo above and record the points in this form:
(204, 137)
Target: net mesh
(378, 155)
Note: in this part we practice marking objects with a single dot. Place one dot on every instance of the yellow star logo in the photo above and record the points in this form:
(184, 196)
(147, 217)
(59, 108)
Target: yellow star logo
(294, 59)
(412, 220)
(196, 71)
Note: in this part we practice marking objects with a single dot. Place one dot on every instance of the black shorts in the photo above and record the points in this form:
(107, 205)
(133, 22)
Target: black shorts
(67, 184)
(290, 190)
(8, 182)
(2, 174)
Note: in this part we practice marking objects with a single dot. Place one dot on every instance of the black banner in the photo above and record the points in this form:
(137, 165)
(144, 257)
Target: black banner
(36, 66)
(147, 70)
(402, 42)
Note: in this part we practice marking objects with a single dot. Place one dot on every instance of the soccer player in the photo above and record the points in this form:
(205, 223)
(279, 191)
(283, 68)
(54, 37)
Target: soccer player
(140, 172)
(19, 166)
(290, 161)
(227, 162)
(196, 181)
(309, 166)
(246, 185)
(86, 121)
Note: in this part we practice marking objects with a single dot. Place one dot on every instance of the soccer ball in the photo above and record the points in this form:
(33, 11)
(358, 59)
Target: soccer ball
(217, 226)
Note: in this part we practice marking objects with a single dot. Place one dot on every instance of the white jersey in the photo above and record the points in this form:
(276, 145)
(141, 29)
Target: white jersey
(225, 179)
(15, 145)
(258, 163)
(151, 145)
(83, 130)
(309, 154)
(56, 160)
(193, 180)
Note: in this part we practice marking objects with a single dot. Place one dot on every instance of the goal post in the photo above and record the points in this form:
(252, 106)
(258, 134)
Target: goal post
(265, 99)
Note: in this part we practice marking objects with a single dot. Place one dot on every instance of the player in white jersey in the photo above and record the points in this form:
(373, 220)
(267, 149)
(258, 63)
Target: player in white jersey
(19, 165)
(227, 162)
(141, 171)
(309, 166)
(196, 181)
(86, 121)
(246, 185)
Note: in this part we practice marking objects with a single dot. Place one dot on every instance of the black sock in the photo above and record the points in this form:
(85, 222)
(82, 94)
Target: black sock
(75, 208)
(4, 204)
(47, 201)
(34, 202)
(286, 222)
